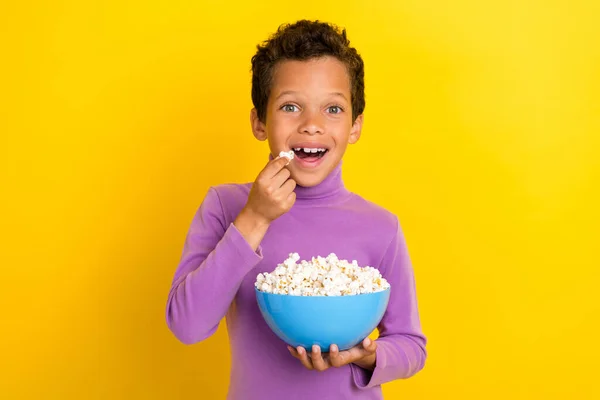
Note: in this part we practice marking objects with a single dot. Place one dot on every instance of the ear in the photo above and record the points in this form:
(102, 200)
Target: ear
(258, 128)
(356, 130)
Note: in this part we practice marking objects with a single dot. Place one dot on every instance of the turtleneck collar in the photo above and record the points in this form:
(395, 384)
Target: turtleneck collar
(331, 188)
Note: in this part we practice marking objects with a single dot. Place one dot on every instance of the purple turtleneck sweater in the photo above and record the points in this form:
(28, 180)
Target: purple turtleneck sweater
(216, 274)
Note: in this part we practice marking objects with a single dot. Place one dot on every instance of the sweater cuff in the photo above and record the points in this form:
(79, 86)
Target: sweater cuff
(365, 379)
(247, 255)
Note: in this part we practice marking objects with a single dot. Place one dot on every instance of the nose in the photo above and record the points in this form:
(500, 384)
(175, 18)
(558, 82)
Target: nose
(312, 123)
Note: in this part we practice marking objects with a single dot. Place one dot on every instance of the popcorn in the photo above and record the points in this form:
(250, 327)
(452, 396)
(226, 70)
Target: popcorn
(320, 276)
(287, 154)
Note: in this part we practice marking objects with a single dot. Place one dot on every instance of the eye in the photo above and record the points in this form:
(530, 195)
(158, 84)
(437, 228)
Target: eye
(334, 110)
(289, 108)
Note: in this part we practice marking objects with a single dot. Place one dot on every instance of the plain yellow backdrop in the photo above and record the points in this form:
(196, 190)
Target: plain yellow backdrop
(481, 133)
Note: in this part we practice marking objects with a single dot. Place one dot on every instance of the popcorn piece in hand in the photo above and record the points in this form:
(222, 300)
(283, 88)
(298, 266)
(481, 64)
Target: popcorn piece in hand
(287, 154)
(327, 276)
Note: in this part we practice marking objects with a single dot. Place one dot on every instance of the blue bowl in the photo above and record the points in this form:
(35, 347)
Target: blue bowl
(323, 320)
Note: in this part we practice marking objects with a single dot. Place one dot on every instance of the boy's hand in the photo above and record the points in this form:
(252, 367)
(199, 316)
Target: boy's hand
(362, 355)
(272, 195)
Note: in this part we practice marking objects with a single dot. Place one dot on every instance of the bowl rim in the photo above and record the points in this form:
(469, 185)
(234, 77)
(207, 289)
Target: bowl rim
(313, 297)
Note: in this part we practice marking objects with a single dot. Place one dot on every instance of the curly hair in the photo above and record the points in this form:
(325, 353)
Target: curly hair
(300, 41)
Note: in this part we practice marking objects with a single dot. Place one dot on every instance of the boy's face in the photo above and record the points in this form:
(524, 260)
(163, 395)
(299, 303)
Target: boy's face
(309, 111)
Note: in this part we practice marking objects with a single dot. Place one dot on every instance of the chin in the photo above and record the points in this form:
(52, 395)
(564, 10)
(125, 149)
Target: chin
(309, 181)
(309, 176)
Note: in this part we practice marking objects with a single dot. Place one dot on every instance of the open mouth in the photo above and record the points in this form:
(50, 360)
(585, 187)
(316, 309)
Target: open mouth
(309, 154)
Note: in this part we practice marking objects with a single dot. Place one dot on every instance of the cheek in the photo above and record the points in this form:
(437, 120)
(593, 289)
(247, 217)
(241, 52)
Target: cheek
(341, 133)
(343, 124)
(279, 128)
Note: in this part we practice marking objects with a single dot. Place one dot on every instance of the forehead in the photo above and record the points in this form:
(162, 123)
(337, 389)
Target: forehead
(321, 74)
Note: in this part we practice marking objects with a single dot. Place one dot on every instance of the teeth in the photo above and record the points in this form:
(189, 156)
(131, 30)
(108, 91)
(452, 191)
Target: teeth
(307, 150)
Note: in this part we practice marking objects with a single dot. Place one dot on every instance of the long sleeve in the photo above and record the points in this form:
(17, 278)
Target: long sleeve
(401, 344)
(215, 260)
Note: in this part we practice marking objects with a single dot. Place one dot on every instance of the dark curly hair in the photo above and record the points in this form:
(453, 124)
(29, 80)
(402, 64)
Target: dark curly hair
(301, 41)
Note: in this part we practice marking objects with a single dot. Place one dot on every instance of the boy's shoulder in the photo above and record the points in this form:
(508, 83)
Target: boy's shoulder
(231, 197)
(227, 191)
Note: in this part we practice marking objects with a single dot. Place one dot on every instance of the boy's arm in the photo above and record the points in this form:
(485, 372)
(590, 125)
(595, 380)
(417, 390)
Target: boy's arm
(401, 344)
(216, 258)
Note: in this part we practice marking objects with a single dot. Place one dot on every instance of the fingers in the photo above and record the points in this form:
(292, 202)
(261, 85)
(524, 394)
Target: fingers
(301, 355)
(335, 358)
(291, 198)
(274, 166)
(317, 359)
(275, 176)
(339, 358)
(284, 186)
(288, 186)
(365, 348)
(280, 178)
(289, 159)
(369, 345)
(293, 352)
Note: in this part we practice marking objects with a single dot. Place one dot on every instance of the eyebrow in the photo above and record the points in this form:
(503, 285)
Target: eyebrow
(286, 92)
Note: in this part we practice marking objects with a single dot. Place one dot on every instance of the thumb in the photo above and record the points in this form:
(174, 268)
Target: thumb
(369, 345)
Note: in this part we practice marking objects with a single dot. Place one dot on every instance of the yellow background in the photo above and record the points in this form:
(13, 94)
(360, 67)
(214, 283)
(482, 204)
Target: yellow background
(481, 132)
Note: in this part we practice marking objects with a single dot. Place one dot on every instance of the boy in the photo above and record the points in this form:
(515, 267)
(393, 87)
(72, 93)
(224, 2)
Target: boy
(308, 95)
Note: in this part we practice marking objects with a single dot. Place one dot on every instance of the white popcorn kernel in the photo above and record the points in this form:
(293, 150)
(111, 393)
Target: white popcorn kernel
(287, 154)
(321, 276)
(265, 287)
